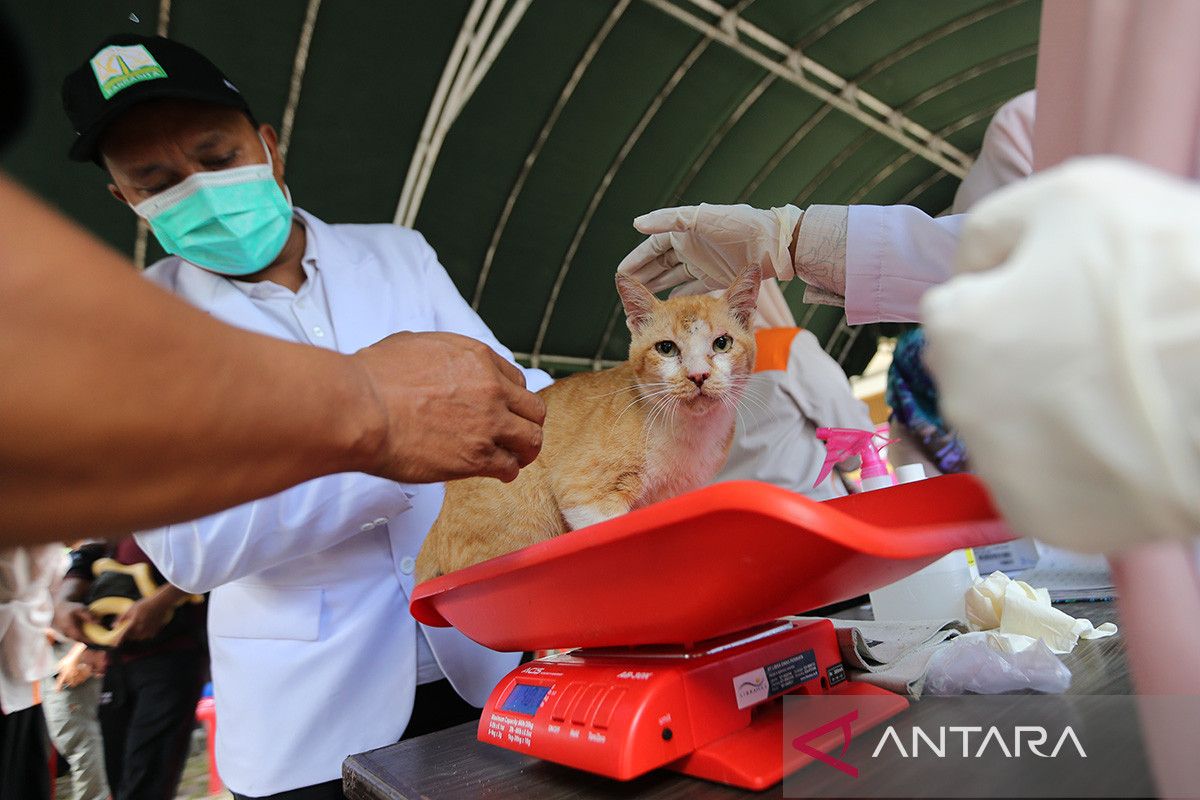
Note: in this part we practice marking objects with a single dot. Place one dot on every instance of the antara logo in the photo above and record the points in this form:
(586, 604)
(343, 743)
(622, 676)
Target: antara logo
(1033, 737)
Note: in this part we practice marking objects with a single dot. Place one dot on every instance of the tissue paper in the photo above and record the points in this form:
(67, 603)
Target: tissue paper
(1014, 608)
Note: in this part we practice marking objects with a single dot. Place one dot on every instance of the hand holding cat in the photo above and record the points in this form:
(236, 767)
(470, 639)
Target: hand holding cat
(697, 249)
(452, 408)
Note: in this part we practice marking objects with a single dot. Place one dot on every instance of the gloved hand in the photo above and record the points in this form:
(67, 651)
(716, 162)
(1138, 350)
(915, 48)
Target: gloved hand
(697, 249)
(1067, 357)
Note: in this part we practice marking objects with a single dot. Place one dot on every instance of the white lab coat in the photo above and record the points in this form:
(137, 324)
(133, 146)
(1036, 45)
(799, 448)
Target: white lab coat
(1005, 156)
(313, 647)
(28, 576)
(775, 439)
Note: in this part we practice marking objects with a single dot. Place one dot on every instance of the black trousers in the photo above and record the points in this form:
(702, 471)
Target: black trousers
(24, 759)
(436, 706)
(147, 713)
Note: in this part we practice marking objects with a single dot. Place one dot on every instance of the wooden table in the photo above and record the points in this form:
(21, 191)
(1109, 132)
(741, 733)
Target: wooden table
(452, 765)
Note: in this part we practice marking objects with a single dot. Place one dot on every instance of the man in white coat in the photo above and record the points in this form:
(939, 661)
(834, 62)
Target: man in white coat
(314, 653)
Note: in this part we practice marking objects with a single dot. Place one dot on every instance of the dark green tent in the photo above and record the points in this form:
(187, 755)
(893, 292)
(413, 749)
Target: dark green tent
(522, 136)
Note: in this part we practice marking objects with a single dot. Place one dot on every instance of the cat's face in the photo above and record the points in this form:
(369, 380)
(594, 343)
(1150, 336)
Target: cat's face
(694, 353)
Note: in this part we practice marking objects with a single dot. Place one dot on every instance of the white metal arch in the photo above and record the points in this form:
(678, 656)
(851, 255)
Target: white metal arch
(934, 92)
(809, 75)
(872, 71)
(752, 97)
(602, 189)
(475, 49)
(551, 120)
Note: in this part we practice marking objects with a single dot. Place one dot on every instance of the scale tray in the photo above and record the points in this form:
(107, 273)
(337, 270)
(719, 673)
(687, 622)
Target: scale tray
(716, 560)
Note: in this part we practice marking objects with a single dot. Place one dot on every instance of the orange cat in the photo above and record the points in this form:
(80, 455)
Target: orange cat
(656, 426)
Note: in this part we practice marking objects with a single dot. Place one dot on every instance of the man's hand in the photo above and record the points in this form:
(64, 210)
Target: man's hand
(78, 666)
(451, 407)
(145, 618)
(69, 618)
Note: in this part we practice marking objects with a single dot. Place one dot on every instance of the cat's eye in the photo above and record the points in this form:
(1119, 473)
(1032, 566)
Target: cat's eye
(667, 348)
(722, 343)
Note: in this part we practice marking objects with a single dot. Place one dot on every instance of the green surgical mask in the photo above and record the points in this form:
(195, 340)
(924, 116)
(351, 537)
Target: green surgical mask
(231, 221)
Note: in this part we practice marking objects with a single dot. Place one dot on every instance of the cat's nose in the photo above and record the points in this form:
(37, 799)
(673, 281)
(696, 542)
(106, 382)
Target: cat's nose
(698, 378)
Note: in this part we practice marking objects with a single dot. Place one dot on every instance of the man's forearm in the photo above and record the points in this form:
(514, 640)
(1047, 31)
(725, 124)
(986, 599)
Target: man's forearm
(123, 407)
(168, 596)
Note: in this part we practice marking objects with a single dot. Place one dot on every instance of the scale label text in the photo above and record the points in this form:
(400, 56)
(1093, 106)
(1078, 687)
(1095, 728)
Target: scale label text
(758, 684)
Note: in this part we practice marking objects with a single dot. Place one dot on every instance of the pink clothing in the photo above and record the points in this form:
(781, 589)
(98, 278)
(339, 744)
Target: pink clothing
(1121, 78)
(1124, 78)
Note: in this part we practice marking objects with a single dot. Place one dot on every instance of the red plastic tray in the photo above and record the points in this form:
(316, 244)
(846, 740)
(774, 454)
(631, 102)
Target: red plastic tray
(710, 562)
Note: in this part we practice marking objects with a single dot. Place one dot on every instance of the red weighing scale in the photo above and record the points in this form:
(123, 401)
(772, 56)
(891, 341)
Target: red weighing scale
(678, 614)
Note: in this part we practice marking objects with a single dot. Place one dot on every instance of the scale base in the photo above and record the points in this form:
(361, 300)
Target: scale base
(757, 757)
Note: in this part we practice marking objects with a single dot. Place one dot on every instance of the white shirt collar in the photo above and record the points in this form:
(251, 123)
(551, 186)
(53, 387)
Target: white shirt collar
(308, 262)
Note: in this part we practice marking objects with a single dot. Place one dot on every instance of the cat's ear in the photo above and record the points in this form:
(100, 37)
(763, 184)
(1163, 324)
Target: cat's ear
(742, 295)
(639, 302)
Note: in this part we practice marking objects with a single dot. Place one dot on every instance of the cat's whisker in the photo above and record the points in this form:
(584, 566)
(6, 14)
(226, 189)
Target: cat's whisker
(667, 405)
(653, 410)
(749, 395)
(660, 410)
(627, 388)
(740, 413)
(751, 413)
(728, 401)
(755, 404)
(640, 398)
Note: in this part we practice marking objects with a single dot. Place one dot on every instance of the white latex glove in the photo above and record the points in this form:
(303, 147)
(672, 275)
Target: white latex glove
(1069, 360)
(1016, 611)
(697, 249)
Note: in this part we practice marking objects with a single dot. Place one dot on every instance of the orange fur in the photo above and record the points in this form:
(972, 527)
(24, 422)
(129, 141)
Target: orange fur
(614, 440)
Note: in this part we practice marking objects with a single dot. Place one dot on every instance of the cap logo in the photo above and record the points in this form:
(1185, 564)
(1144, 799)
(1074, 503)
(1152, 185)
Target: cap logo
(118, 68)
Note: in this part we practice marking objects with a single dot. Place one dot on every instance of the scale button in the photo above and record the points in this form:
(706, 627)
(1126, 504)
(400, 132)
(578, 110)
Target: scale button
(564, 701)
(607, 706)
(587, 702)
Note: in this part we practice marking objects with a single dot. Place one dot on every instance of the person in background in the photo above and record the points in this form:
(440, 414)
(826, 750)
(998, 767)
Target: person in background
(309, 625)
(919, 433)
(70, 699)
(801, 387)
(156, 671)
(27, 578)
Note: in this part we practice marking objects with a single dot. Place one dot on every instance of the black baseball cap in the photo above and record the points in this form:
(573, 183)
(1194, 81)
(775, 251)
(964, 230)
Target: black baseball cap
(128, 69)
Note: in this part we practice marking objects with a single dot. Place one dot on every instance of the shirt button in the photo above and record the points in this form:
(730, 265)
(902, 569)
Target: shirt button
(367, 526)
(407, 565)
(318, 332)
(381, 521)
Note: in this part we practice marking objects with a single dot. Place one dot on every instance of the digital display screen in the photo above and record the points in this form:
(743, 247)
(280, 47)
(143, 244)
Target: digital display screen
(525, 699)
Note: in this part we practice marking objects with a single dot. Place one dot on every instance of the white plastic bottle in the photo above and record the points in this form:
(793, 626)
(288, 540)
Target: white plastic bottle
(935, 592)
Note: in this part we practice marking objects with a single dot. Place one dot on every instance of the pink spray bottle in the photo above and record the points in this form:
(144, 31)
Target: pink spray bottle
(842, 443)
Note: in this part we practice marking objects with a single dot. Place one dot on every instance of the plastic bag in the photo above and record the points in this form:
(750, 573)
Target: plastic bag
(982, 663)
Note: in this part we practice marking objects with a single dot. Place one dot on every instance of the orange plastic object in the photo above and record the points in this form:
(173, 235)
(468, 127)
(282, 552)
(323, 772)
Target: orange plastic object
(206, 712)
(720, 559)
(772, 347)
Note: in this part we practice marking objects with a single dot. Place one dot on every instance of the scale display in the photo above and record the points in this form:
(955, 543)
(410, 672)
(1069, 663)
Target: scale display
(525, 699)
